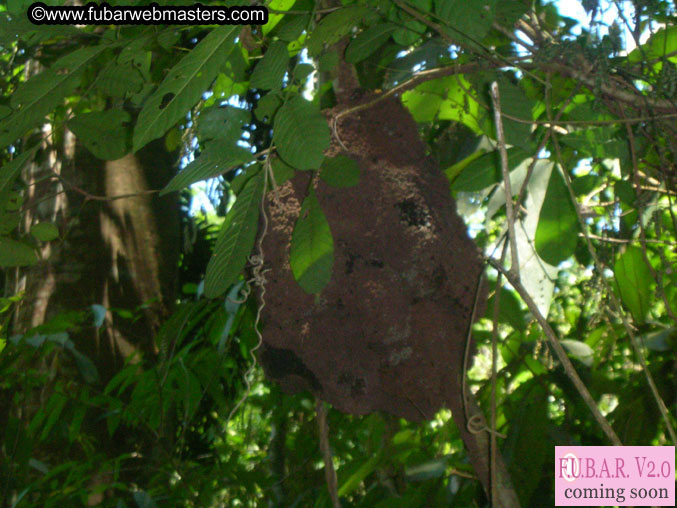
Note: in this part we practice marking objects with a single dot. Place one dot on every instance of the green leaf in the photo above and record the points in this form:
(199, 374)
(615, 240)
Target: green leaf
(301, 134)
(302, 71)
(104, 133)
(355, 480)
(466, 22)
(268, 106)
(213, 161)
(236, 239)
(528, 444)
(45, 231)
(509, 310)
(119, 80)
(222, 122)
(578, 350)
(557, 232)
(485, 170)
(274, 18)
(38, 96)
(10, 170)
(270, 71)
(86, 367)
(514, 103)
(368, 41)
(13, 253)
(340, 171)
(281, 170)
(634, 282)
(659, 46)
(333, 27)
(292, 27)
(184, 85)
(312, 247)
(447, 99)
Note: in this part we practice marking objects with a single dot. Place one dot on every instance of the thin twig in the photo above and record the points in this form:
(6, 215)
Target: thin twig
(329, 471)
(569, 368)
(510, 212)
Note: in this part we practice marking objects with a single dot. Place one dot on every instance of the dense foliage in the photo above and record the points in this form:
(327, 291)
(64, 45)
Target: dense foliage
(588, 118)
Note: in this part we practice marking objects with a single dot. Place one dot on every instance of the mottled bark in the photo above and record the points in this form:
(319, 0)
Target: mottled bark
(118, 252)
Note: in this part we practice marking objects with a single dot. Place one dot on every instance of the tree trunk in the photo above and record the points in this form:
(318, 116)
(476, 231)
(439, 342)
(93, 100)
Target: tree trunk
(118, 247)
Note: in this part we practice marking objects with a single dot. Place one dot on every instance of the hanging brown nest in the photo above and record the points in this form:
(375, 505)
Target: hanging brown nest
(389, 330)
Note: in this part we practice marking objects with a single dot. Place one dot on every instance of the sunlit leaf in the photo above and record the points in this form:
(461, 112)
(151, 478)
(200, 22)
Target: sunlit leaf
(634, 282)
(557, 231)
(312, 247)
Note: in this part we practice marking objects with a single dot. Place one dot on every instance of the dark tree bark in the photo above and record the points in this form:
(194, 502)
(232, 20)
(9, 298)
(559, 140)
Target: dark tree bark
(118, 247)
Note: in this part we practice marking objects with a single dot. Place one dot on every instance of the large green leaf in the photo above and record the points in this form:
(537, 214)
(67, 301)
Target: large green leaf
(224, 123)
(184, 85)
(213, 161)
(485, 170)
(301, 134)
(9, 171)
(368, 41)
(334, 26)
(275, 18)
(312, 247)
(340, 171)
(515, 104)
(447, 99)
(38, 96)
(466, 22)
(119, 80)
(634, 282)
(45, 231)
(104, 133)
(236, 239)
(557, 231)
(269, 72)
(528, 444)
(13, 253)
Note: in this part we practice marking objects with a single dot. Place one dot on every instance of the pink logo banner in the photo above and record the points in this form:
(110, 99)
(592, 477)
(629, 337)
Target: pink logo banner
(615, 476)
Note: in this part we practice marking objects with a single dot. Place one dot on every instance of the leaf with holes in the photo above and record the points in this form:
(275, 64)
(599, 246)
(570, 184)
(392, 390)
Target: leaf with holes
(213, 161)
(633, 278)
(312, 247)
(269, 72)
(38, 96)
(184, 85)
(368, 41)
(340, 171)
(301, 134)
(557, 231)
(236, 239)
(104, 133)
